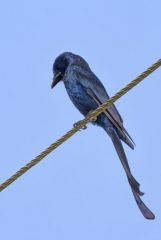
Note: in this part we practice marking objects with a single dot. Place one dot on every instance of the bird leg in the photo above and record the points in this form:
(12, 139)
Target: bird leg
(76, 125)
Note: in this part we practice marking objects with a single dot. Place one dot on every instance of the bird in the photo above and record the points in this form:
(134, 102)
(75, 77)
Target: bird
(87, 93)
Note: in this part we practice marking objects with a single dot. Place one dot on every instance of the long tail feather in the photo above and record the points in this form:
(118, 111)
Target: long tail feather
(132, 181)
(147, 213)
(120, 151)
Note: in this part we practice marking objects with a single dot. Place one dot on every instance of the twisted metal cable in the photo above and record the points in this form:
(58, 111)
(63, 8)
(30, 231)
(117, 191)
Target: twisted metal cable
(90, 117)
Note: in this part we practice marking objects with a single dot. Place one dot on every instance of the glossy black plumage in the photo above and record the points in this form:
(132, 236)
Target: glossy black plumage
(87, 93)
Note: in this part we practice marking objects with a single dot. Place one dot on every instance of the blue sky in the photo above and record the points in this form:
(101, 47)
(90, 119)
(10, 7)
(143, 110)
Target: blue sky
(79, 191)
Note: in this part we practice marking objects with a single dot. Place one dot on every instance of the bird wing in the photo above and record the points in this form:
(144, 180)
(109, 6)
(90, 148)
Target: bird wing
(96, 90)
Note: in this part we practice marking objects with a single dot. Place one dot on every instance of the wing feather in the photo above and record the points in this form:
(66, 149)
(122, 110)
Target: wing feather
(97, 91)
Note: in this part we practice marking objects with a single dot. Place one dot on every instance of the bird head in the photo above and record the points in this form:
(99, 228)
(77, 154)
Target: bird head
(61, 64)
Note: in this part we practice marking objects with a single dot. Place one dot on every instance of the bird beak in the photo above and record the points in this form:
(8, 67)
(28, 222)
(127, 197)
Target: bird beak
(56, 79)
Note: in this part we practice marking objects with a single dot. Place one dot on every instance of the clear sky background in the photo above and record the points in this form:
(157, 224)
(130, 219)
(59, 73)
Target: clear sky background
(80, 191)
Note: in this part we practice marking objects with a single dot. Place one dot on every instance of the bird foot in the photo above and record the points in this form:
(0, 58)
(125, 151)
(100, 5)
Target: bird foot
(76, 125)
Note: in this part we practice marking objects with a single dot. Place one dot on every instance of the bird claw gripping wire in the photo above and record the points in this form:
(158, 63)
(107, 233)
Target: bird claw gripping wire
(77, 125)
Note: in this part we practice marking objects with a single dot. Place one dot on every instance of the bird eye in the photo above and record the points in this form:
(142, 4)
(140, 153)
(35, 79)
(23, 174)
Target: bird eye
(58, 68)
